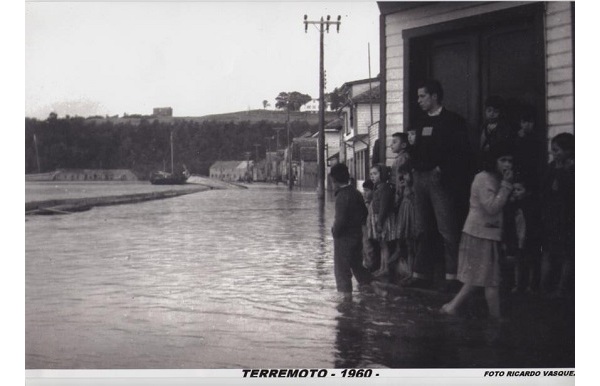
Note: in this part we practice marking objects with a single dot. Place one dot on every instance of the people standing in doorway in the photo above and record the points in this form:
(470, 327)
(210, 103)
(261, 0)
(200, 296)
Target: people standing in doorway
(528, 148)
(383, 225)
(350, 215)
(480, 248)
(558, 219)
(495, 128)
(441, 179)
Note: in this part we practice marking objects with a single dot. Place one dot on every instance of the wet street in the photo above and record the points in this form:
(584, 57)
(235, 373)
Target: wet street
(244, 279)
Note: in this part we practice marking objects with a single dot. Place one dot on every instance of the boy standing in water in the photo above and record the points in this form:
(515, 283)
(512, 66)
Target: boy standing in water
(350, 215)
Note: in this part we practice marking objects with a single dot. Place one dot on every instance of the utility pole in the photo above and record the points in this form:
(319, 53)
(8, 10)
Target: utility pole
(247, 154)
(290, 148)
(256, 146)
(171, 139)
(37, 154)
(268, 159)
(277, 130)
(323, 26)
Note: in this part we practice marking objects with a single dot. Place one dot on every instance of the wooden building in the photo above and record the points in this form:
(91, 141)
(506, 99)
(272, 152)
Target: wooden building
(521, 51)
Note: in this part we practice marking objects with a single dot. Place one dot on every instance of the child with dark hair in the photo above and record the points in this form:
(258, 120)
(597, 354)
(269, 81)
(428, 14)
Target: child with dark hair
(370, 247)
(399, 147)
(350, 215)
(528, 148)
(558, 218)
(406, 226)
(496, 129)
(522, 236)
(383, 225)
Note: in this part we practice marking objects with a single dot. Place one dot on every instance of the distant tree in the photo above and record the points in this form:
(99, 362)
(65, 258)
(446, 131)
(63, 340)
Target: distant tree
(337, 99)
(292, 101)
(143, 145)
(266, 104)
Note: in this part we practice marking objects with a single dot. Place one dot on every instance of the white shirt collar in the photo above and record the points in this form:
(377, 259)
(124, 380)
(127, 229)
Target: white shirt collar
(436, 112)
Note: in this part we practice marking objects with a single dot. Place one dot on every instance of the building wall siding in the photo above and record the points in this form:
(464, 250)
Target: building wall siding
(560, 98)
(364, 117)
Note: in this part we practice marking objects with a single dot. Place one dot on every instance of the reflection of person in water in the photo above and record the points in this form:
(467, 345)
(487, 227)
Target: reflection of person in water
(350, 337)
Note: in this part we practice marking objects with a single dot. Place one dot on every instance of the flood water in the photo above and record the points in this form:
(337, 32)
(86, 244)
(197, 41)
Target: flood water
(237, 279)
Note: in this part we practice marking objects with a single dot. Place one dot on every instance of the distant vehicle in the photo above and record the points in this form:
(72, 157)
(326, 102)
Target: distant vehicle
(165, 178)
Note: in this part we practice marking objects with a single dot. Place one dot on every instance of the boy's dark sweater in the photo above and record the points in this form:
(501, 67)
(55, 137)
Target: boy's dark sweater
(446, 147)
(350, 213)
(527, 158)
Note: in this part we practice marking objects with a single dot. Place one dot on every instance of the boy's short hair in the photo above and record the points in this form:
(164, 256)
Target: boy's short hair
(527, 114)
(403, 137)
(494, 101)
(522, 178)
(566, 141)
(340, 174)
(433, 86)
(368, 184)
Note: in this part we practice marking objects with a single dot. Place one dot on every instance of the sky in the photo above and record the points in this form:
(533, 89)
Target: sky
(200, 58)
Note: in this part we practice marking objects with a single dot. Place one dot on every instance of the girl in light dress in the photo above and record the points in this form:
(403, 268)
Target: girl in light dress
(480, 246)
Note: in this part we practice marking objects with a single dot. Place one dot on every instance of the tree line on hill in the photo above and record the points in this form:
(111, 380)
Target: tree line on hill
(74, 142)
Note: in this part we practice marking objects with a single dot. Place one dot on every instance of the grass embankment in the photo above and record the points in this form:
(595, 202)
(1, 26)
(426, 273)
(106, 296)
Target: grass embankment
(70, 205)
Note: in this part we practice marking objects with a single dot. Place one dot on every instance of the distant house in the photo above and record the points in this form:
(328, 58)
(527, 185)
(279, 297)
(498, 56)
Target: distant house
(162, 112)
(304, 161)
(231, 170)
(332, 146)
(274, 166)
(360, 118)
(313, 106)
(521, 51)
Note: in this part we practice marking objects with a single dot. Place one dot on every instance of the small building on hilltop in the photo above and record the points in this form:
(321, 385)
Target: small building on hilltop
(312, 106)
(162, 112)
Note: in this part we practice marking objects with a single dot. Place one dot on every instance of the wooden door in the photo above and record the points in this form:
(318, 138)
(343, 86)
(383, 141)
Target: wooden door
(454, 61)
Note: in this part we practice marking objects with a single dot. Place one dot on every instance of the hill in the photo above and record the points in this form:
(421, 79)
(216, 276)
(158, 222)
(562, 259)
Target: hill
(251, 116)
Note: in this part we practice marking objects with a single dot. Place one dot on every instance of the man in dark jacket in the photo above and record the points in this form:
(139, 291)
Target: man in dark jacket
(350, 215)
(441, 160)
